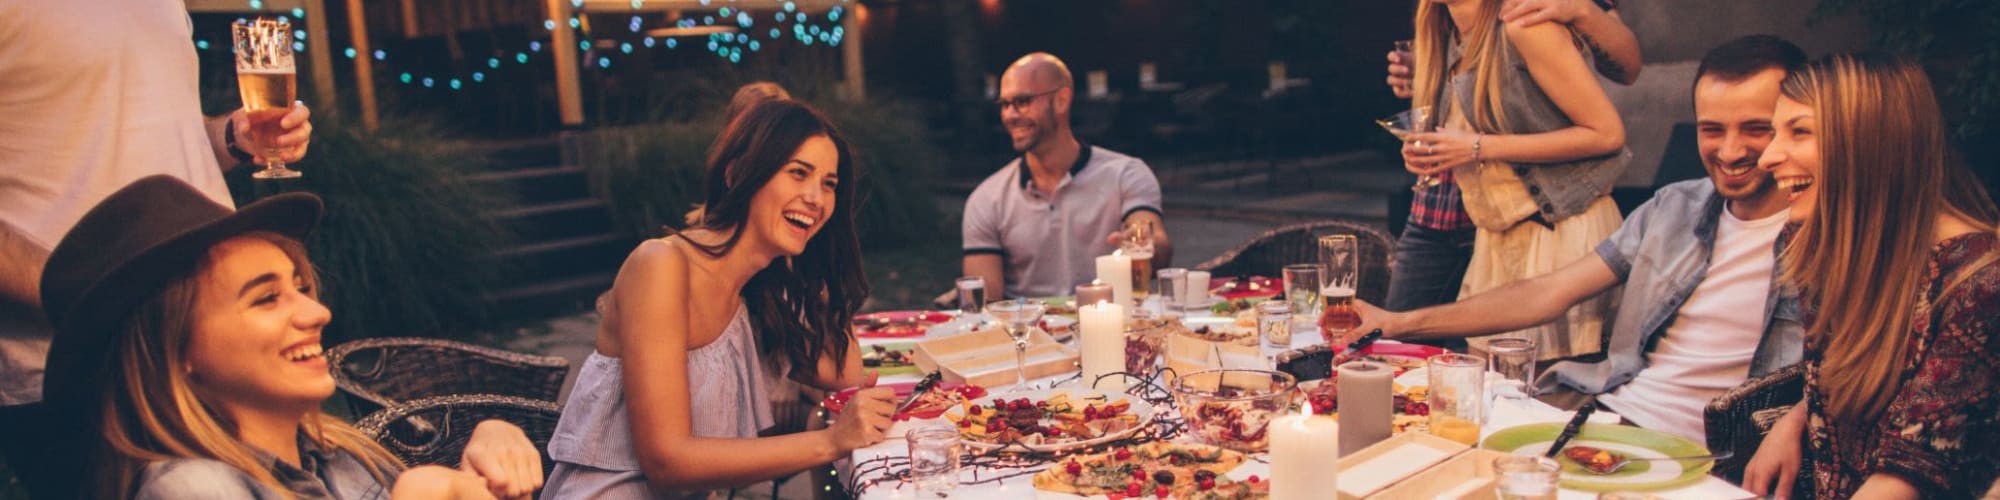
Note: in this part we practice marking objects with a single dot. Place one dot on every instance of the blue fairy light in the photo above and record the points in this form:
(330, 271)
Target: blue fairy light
(298, 13)
(380, 55)
(492, 62)
(203, 45)
(455, 85)
(478, 77)
(521, 57)
(604, 62)
(801, 17)
(712, 45)
(534, 46)
(650, 42)
(583, 46)
(256, 4)
(754, 46)
(742, 37)
(576, 3)
(298, 34)
(406, 78)
(774, 33)
(298, 46)
(671, 43)
(743, 19)
(791, 6)
(549, 24)
(833, 14)
(428, 82)
(780, 17)
(349, 52)
(625, 47)
(725, 12)
(575, 23)
(736, 57)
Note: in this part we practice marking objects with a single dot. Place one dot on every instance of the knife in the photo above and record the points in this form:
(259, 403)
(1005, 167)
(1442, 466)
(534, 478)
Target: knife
(922, 387)
(1575, 426)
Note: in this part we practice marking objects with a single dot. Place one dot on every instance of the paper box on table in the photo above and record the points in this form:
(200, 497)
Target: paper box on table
(1188, 354)
(1466, 476)
(986, 357)
(1367, 473)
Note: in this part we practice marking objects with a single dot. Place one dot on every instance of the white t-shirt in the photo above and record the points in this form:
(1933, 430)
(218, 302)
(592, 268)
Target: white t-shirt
(1707, 348)
(93, 95)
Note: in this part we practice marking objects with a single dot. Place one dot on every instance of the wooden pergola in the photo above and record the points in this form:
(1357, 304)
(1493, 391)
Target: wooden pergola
(569, 90)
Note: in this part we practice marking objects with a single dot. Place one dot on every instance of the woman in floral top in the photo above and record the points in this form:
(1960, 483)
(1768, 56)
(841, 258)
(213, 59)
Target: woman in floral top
(1895, 260)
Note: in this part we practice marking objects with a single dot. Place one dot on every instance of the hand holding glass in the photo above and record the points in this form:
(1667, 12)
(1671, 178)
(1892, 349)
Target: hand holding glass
(1401, 125)
(268, 80)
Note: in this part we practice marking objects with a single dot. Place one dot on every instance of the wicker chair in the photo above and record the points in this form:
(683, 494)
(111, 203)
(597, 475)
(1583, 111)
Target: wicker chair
(1269, 253)
(1738, 420)
(381, 372)
(447, 423)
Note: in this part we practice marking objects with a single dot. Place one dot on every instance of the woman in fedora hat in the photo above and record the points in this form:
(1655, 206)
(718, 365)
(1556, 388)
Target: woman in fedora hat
(188, 336)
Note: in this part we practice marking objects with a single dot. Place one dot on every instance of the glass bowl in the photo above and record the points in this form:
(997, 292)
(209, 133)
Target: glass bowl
(1231, 407)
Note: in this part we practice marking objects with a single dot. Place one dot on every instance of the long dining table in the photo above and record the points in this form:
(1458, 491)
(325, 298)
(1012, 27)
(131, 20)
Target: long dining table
(869, 471)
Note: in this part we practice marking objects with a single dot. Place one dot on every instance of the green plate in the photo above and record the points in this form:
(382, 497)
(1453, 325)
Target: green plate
(1533, 439)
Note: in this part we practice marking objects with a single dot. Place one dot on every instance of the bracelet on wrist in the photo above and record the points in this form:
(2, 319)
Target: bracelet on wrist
(1476, 140)
(229, 144)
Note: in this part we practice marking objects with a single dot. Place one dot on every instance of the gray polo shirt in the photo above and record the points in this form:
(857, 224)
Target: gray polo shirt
(1049, 242)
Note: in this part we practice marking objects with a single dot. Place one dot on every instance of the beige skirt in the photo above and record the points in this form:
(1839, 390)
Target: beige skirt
(1528, 249)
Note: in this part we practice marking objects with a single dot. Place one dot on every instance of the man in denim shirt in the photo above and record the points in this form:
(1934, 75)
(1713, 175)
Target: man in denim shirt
(1699, 311)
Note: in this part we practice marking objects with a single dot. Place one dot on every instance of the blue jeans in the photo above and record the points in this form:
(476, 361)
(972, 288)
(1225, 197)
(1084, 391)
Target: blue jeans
(1430, 264)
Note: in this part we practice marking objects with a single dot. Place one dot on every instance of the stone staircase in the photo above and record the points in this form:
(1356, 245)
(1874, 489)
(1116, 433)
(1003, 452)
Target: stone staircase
(567, 250)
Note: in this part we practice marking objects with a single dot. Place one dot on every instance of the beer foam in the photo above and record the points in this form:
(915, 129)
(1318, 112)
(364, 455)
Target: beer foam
(1336, 291)
(267, 71)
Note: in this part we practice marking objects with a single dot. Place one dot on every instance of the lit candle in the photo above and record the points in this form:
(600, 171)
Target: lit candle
(1116, 270)
(1092, 293)
(1304, 448)
(1197, 287)
(1367, 404)
(1101, 327)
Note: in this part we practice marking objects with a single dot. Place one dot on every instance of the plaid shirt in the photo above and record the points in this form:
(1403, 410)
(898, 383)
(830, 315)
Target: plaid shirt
(1440, 207)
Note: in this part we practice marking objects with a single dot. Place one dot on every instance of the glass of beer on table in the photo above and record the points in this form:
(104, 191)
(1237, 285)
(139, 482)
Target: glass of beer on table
(1458, 396)
(1137, 243)
(1339, 256)
(265, 74)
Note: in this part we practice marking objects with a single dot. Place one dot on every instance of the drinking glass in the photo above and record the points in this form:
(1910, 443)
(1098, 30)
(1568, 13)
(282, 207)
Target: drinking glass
(1137, 244)
(1339, 256)
(1173, 289)
(1526, 477)
(934, 454)
(1302, 284)
(268, 80)
(971, 294)
(1196, 296)
(1274, 324)
(1401, 125)
(1457, 399)
(1514, 360)
(1020, 317)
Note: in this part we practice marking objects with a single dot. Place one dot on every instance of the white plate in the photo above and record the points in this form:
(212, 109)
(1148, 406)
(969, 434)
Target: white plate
(1140, 408)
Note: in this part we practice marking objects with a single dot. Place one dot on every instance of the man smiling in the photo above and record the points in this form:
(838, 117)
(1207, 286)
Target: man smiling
(1699, 313)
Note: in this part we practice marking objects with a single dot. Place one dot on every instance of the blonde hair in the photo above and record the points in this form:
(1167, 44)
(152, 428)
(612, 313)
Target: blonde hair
(1887, 176)
(149, 409)
(1483, 49)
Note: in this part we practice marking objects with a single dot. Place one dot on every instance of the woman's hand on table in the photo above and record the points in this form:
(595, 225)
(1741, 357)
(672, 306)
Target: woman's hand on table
(866, 419)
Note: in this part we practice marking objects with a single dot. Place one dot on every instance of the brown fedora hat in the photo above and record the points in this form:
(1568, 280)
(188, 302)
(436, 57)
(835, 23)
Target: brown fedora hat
(125, 250)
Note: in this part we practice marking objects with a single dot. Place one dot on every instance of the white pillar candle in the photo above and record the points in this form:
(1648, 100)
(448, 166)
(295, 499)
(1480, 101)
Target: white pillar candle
(1116, 270)
(1304, 448)
(1197, 287)
(1101, 327)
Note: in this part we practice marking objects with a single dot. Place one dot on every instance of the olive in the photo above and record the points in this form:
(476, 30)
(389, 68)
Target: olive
(1163, 477)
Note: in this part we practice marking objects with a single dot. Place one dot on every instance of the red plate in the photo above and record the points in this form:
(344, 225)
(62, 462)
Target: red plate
(838, 401)
(1415, 352)
(1258, 287)
(897, 324)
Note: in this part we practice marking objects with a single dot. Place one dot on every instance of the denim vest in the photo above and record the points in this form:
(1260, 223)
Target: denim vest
(1661, 254)
(320, 475)
(1560, 189)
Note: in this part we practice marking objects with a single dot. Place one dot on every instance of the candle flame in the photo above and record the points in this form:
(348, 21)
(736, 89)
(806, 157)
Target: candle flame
(1118, 252)
(1307, 410)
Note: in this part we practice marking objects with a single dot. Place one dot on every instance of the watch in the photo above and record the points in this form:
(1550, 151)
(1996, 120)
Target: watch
(229, 143)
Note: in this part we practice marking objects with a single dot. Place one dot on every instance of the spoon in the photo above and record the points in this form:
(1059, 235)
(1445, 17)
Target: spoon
(1622, 461)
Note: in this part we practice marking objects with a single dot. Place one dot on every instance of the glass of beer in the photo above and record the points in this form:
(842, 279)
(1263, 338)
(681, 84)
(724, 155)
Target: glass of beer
(1458, 396)
(1137, 243)
(1339, 254)
(265, 74)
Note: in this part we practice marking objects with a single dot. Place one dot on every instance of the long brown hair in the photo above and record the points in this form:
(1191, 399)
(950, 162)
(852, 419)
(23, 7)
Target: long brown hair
(1887, 175)
(801, 306)
(149, 410)
(1483, 49)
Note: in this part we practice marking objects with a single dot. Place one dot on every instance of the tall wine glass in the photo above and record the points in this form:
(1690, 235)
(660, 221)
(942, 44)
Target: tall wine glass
(265, 74)
(1020, 317)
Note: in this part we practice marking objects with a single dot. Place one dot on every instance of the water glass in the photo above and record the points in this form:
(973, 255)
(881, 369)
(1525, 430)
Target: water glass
(1172, 287)
(1457, 400)
(1196, 296)
(1302, 283)
(934, 455)
(1526, 477)
(1514, 359)
(1274, 324)
(971, 294)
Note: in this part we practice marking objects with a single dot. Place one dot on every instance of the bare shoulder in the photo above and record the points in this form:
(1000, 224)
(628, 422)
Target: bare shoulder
(1542, 38)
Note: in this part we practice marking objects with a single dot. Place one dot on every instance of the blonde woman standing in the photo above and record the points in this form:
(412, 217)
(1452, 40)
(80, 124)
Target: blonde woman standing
(1895, 261)
(1532, 142)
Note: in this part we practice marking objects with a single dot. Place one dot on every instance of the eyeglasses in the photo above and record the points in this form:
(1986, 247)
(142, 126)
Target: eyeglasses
(1021, 101)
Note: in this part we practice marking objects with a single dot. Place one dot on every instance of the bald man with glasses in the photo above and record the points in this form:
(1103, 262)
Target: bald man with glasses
(1034, 228)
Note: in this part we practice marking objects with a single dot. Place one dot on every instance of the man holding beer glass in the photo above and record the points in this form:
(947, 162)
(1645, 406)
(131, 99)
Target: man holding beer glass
(1699, 313)
(90, 102)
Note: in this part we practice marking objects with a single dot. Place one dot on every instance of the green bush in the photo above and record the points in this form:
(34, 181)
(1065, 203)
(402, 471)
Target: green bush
(400, 248)
(651, 173)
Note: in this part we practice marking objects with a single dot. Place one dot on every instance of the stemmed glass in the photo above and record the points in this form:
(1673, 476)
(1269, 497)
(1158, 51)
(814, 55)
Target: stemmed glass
(1020, 317)
(268, 80)
(1401, 125)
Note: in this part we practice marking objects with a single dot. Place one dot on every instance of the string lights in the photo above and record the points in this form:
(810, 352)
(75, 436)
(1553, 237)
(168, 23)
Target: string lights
(728, 40)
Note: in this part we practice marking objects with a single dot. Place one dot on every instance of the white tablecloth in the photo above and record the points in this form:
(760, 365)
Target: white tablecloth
(1504, 413)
